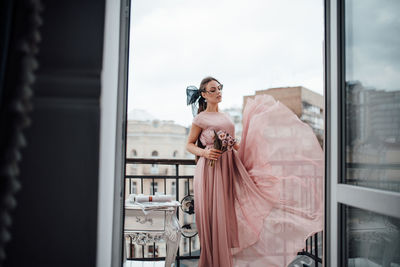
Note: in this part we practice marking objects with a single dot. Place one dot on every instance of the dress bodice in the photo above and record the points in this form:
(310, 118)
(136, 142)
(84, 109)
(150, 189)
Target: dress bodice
(210, 121)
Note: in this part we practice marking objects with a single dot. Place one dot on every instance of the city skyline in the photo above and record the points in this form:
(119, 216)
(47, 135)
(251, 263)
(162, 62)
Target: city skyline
(145, 114)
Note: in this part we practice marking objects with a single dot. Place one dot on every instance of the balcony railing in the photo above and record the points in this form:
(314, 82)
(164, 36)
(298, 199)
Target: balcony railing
(312, 247)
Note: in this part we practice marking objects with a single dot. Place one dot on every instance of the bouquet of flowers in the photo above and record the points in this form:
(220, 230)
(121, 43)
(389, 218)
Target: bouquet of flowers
(222, 141)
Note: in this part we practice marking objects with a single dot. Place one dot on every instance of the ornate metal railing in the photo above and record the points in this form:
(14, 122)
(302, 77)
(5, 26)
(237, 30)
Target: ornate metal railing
(313, 244)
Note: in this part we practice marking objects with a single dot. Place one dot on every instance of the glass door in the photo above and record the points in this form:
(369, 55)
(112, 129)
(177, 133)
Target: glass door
(363, 66)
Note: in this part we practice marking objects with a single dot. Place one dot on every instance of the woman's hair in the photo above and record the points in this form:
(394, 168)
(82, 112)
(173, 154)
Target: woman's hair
(203, 104)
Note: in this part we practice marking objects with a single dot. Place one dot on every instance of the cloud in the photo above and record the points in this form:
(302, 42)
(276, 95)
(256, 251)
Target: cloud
(247, 45)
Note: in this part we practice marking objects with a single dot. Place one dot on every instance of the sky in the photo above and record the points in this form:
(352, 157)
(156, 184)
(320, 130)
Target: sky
(247, 45)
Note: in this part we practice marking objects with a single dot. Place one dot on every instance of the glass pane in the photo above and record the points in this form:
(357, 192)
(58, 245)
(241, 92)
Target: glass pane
(372, 93)
(371, 239)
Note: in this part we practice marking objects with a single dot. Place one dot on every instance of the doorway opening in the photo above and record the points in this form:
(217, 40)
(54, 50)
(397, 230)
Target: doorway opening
(263, 47)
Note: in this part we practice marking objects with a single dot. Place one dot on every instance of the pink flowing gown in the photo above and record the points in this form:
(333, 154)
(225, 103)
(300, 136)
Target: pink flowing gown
(257, 206)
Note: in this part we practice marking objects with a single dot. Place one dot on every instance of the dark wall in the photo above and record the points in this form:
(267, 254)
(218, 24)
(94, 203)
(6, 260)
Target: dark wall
(55, 221)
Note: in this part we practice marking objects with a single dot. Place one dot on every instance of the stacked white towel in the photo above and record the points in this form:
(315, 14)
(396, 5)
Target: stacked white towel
(150, 198)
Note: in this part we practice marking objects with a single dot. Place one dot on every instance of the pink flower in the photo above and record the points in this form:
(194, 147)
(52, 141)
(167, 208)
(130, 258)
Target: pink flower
(224, 142)
(231, 142)
(221, 135)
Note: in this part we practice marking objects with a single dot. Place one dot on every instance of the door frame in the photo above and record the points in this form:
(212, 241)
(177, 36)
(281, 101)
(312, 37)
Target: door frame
(110, 241)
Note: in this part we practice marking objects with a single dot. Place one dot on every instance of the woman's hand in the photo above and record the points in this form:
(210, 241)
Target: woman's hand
(212, 153)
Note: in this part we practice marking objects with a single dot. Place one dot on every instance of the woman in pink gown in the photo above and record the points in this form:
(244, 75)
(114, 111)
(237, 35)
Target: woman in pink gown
(261, 199)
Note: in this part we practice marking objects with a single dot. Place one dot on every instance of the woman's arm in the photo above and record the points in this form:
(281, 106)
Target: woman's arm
(198, 151)
(191, 142)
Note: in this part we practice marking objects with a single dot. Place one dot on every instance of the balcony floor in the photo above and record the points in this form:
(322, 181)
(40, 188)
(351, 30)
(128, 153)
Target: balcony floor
(144, 264)
(299, 261)
(184, 263)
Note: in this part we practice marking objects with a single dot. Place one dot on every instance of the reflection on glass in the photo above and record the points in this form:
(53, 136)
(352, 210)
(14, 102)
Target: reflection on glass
(372, 93)
(371, 239)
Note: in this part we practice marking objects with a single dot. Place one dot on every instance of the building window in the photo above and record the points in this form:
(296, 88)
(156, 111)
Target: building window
(173, 188)
(133, 187)
(309, 108)
(175, 154)
(153, 188)
(154, 167)
(134, 167)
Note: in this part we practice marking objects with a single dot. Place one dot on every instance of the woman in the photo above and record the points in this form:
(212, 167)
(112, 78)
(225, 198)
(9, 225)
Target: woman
(257, 202)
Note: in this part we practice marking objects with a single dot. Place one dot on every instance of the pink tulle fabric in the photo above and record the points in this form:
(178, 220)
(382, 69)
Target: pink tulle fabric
(257, 206)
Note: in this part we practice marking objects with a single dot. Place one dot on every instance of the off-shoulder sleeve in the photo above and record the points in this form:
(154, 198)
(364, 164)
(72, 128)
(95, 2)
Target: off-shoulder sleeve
(199, 121)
